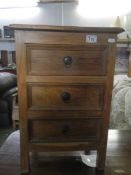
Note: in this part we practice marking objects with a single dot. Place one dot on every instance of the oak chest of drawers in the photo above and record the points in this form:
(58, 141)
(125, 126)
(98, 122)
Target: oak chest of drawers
(65, 77)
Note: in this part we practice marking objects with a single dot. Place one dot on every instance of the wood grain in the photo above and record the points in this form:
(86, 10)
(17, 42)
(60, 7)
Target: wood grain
(67, 28)
(59, 102)
(50, 131)
(49, 60)
(49, 97)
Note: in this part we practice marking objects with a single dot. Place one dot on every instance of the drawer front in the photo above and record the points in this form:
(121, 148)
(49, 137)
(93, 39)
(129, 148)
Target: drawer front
(64, 130)
(65, 97)
(66, 59)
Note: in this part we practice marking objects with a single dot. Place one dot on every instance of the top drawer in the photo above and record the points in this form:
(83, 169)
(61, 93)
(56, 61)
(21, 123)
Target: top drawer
(66, 59)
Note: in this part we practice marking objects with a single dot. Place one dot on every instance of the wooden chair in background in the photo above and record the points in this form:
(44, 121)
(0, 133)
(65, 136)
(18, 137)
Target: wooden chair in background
(4, 58)
(13, 56)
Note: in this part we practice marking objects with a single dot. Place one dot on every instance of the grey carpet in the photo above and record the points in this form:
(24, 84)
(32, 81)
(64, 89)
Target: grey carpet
(10, 150)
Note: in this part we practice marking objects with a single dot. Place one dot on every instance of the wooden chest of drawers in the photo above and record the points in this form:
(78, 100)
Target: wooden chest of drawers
(65, 79)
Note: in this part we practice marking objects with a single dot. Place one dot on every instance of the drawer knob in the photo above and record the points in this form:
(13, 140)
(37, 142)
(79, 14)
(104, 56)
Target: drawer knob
(67, 61)
(66, 129)
(66, 96)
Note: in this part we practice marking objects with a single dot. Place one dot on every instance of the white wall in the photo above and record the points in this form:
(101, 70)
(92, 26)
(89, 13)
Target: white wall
(51, 14)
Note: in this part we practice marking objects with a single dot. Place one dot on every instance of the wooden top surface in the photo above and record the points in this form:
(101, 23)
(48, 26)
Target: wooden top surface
(67, 28)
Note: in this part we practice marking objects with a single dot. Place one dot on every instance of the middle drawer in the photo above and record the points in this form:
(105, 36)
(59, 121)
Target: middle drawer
(65, 97)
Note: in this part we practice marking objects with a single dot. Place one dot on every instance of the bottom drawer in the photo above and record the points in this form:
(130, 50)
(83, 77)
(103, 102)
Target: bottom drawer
(64, 130)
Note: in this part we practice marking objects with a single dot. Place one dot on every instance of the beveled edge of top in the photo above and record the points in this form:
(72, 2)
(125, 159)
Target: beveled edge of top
(76, 29)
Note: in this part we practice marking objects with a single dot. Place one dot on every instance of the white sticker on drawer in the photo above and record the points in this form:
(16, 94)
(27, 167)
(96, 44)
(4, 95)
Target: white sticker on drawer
(91, 38)
(111, 40)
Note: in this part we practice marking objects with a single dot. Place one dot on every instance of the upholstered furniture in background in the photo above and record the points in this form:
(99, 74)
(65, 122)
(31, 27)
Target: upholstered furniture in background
(8, 84)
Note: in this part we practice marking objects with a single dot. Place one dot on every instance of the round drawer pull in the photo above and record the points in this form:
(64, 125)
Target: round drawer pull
(66, 129)
(67, 61)
(66, 96)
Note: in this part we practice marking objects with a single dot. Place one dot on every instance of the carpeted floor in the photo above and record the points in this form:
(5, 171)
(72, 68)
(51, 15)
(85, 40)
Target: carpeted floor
(9, 155)
(4, 133)
(9, 146)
